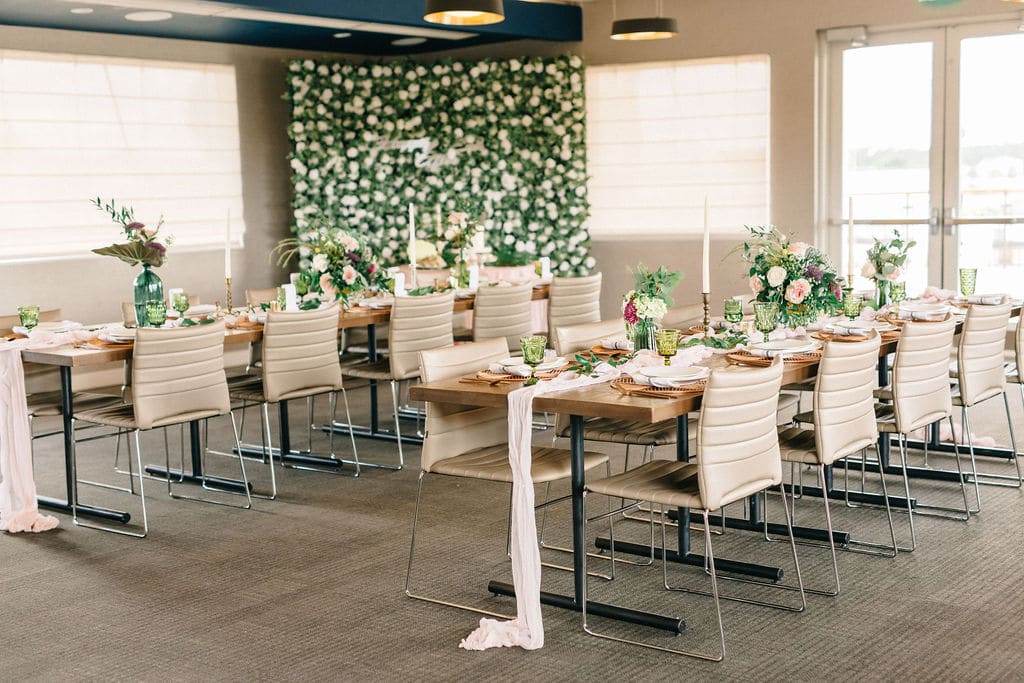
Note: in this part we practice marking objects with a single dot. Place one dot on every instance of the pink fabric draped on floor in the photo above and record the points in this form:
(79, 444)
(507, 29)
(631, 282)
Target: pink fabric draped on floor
(527, 629)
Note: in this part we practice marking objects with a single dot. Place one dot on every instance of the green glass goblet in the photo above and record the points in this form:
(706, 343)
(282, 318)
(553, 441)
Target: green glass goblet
(667, 343)
(29, 316)
(156, 311)
(968, 280)
(766, 316)
(898, 292)
(733, 310)
(851, 305)
(533, 347)
(179, 302)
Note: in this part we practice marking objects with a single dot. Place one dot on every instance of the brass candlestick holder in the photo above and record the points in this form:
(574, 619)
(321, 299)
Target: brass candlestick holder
(707, 313)
(227, 298)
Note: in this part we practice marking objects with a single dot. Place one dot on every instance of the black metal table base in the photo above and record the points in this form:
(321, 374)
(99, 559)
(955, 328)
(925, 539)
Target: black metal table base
(862, 498)
(84, 510)
(178, 476)
(296, 458)
(600, 609)
(364, 432)
(694, 559)
(912, 473)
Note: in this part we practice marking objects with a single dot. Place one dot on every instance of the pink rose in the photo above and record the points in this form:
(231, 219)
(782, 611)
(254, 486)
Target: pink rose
(798, 291)
(895, 275)
(327, 287)
(799, 249)
(349, 274)
(756, 286)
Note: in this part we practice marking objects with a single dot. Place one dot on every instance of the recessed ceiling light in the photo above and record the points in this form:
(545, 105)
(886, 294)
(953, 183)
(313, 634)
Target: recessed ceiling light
(343, 34)
(405, 42)
(148, 16)
(82, 10)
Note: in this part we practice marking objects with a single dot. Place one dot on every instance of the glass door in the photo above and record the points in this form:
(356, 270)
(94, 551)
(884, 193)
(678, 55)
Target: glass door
(983, 220)
(922, 142)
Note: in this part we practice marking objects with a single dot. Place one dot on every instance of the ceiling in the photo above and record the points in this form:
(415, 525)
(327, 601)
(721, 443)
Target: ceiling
(371, 26)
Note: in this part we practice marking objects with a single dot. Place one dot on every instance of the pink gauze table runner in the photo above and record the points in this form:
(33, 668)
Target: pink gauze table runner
(527, 629)
(18, 509)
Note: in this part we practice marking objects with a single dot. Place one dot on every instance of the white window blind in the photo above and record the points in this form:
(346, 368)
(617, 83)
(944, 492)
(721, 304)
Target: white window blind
(159, 136)
(663, 135)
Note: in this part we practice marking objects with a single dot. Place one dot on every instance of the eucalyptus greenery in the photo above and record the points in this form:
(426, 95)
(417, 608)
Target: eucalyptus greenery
(368, 139)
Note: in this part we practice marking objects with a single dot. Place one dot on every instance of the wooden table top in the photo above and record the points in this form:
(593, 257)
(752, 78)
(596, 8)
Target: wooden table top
(79, 356)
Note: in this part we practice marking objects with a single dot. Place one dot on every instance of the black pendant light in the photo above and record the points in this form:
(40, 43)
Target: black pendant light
(464, 12)
(644, 28)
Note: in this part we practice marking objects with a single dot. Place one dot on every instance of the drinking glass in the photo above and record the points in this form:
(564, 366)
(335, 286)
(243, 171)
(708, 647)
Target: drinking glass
(281, 298)
(29, 316)
(179, 302)
(733, 310)
(968, 278)
(667, 342)
(766, 315)
(533, 347)
(851, 305)
(156, 312)
(898, 292)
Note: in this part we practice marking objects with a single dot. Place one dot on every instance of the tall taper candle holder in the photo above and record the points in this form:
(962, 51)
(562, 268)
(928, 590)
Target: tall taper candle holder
(227, 285)
(707, 313)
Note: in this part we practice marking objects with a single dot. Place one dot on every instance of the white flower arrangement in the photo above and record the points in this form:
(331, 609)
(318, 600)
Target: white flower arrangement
(348, 168)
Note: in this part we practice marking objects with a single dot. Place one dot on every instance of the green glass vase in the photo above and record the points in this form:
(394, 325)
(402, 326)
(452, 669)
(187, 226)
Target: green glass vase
(883, 296)
(148, 287)
(643, 334)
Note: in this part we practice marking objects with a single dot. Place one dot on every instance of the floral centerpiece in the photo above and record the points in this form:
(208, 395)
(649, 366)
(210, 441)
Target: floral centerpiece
(886, 259)
(334, 266)
(646, 304)
(798, 277)
(141, 248)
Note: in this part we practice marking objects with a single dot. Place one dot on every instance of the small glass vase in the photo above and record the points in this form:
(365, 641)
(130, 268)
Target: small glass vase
(148, 287)
(883, 295)
(461, 271)
(643, 334)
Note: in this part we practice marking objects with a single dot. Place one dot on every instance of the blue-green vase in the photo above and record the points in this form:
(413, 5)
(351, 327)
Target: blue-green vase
(148, 287)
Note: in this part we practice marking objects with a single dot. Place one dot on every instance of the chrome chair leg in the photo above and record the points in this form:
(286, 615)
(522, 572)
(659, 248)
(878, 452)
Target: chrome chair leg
(1005, 480)
(968, 436)
(408, 568)
(906, 489)
(142, 492)
(398, 427)
(205, 480)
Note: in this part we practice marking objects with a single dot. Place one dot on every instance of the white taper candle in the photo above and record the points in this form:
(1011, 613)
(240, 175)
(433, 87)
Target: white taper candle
(227, 248)
(706, 251)
(849, 243)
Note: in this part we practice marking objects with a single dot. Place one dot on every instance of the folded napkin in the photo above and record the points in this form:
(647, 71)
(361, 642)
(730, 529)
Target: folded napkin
(620, 344)
(986, 299)
(53, 328)
(921, 315)
(662, 382)
(848, 330)
(518, 370)
(937, 295)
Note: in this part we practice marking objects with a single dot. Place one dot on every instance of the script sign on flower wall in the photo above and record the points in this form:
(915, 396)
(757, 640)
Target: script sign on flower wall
(369, 139)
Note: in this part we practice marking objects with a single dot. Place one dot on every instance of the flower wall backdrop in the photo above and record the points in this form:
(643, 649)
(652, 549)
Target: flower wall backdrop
(368, 139)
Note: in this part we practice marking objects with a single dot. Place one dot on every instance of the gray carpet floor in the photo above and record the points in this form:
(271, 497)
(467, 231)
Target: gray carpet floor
(310, 586)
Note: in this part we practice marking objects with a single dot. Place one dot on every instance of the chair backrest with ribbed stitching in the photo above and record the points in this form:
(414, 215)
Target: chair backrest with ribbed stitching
(300, 353)
(844, 404)
(979, 354)
(178, 374)
(737, 437)
(255, 297)
(503, 312)
(451, 429)
(920, 374)
(573, 338)
(418, 323)
(572, 301)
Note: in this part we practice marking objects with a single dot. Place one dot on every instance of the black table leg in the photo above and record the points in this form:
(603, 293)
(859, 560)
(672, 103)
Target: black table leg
(67, 412)
(196, 476)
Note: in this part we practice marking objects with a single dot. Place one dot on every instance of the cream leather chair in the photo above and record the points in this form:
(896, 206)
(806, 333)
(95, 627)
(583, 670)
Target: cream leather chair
(573, 301)
(177, 377)
(980, 375)
(920, 397)
(503, 312)
(299, 360)
(737, 456)
(418, 323)
(844, 425)
(472, 443)
(264, 295)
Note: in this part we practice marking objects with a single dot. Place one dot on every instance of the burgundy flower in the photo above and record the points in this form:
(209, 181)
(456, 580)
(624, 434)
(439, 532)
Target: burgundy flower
(157, 247)
(135, 226)
(836, 290)
(353, 257)
(629, 313)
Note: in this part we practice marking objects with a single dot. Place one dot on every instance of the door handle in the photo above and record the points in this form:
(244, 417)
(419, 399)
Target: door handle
(934, 222)
(947, 221)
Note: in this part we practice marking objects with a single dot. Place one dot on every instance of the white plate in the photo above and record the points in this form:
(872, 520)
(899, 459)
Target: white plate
(673, 372)
(61, 326)
(877, 325)
(550, 362)
(379, 302)
(785, 345)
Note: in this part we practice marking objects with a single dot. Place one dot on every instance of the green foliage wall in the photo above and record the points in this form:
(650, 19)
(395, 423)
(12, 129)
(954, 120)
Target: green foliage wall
(509, 134)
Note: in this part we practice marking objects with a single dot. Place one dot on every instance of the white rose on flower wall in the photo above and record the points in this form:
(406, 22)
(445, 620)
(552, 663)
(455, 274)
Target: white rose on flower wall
(527, 162)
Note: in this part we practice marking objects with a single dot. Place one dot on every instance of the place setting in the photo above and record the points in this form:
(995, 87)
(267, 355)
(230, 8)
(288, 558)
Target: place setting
(537, 363)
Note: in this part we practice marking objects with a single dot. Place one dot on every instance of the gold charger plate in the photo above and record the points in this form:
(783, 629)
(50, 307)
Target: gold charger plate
(747, 358)
(628, 386)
